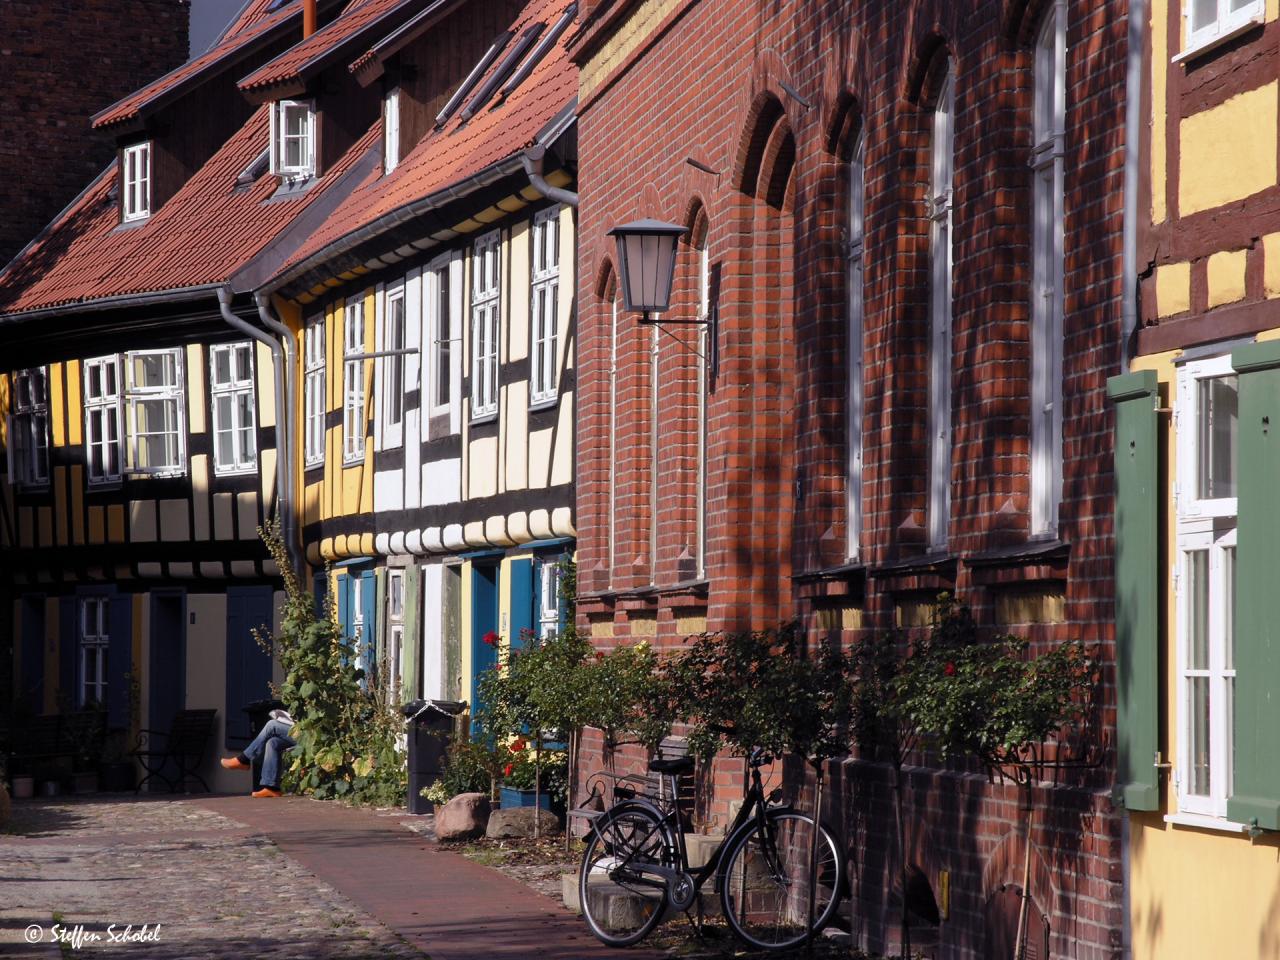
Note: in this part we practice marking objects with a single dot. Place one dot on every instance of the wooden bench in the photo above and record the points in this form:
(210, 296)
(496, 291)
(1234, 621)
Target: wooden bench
(183, 745)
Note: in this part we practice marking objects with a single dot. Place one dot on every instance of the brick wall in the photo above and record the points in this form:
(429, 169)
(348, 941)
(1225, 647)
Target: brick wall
(707, 85)
(61, 61)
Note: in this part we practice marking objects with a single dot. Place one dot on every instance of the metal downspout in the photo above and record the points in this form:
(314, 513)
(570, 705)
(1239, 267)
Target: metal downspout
(290, 519)
(282, 439)
(532, 161)
(1132, 158)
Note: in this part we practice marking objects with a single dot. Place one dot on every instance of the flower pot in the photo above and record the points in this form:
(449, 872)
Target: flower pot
(511, 797)
(24, 787)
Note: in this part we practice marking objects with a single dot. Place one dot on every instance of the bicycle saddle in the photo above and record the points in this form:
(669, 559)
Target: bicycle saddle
(675, 765)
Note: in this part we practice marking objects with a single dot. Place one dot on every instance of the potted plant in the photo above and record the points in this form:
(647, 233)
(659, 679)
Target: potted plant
(528, 781)
(116, 772)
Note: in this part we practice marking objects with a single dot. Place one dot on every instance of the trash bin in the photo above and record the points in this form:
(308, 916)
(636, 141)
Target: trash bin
(258, 711)
(430, 723)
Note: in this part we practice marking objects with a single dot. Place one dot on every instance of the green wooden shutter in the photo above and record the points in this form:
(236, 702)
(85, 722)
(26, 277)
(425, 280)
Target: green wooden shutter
(1137, 527)
(1256, 782)
(412, 677)
(523, 617)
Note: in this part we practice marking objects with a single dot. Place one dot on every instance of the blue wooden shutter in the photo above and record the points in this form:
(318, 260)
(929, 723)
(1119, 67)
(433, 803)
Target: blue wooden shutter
(248, 666)
(369, 600)
(119, 658)
(523, 613)
(411, 679)
(68, 651)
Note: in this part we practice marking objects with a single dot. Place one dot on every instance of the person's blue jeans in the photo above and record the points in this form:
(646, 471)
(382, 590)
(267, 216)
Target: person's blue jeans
(269, 744)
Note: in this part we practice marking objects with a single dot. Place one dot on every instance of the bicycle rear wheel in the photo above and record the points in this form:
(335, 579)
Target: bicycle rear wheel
(621, 904)
(764, 889)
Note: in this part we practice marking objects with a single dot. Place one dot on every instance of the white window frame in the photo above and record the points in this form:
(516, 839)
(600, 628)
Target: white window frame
(243, 435)
(486, 312)
(391, 130)
(544, 307)
(854, 265)
(1048, 298)
(103, 420)
(173, 396)
(391, 372)
(548, 598)
(135, 181)
(306, 167)
(941, 185)
(395, 632)
(313, 387)
(614, 293)
(29, 428)
(703, 388)
(354, 417)
(1226, 23)
(95, 642)
(1205, 526)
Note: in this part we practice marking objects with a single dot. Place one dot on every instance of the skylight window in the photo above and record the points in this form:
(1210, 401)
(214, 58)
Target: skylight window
(540, 51)
(482, 96)
(476, 73)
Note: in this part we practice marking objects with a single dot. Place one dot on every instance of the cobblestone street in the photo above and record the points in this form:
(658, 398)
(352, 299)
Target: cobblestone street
(213, 887)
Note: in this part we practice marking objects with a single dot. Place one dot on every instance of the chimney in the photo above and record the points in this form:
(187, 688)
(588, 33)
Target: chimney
(308, 18)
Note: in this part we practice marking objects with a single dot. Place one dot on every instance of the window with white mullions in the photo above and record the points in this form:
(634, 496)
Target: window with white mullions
(703, 387)
(612, 297)
(1047, 267)
(314, 399)
(1211, 20)
(395, 633)
(135, 192)
(235, 441)
(853, 293)
(293, 138)
(545, 295)
(29, 428)
(940, 256)
(353, 389)
(1205, 578)
(393, 342)
(94, 644)
(153, 402)
(440, 309)
(548, 598)
(103, 419)
(485, 310)
(391, 131)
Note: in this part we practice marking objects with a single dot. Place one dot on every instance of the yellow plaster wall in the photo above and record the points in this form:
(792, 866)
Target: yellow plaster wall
(1226, 277)
(1228, 152)
(1159, 85)
(639, 26)
(1271, 265)
(58, 412)
(1173, 289)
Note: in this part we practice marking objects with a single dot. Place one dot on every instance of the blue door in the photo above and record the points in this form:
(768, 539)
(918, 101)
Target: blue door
(357, 611)
(248, 665)
(484, 623)
(168, 668)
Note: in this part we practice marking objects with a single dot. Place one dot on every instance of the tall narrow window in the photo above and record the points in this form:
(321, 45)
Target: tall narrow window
(393, 369)
(29, 428)
(703, 387)
(135, 187)
(103, 418)
(853, 293)
(545, 295)
(1047, 293)
(395, 633)
(940, 255)
(1206, 509)
(154, 400)
(314, 388)
(548, 598)
(94, 643)
(655, 407)
(235, 442)
(353, 418)
(391, 130)
(439, 294)
(612, 296)
(485, 308)
(293, 147)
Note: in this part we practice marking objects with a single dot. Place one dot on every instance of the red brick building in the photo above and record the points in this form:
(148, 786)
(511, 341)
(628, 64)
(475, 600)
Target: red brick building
(906, 222)
(60, 63)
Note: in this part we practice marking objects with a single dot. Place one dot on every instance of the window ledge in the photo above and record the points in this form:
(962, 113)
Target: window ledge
(1191, 53)
(353, 462)
(313, 465)
(547, 404)
(841, 582)
(483, 418)
(235, 471)
(1204, 822)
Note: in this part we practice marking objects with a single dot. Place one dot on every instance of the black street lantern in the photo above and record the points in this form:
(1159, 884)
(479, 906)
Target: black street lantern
(647, 264)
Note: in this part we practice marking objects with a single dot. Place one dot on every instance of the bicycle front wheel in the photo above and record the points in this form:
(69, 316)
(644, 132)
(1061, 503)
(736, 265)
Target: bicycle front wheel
(764, 889)
(620, 903)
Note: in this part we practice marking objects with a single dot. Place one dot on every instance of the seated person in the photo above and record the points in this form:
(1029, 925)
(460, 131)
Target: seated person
(270, 743)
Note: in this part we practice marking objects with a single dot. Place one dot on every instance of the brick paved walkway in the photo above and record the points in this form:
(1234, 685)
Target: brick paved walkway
(235, 877)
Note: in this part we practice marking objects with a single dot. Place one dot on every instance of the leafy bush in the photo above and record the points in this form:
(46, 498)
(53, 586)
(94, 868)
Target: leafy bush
(347, 735)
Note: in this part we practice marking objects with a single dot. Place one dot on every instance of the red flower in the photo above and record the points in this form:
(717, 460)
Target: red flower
(490, 638)
(599, 656)
(506, 771)
(949, 669)
(517, 746)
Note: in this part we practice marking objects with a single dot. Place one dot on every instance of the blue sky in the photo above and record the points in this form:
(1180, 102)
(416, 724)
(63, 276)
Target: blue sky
(208, 17)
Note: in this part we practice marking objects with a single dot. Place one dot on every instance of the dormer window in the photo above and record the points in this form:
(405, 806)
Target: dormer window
(391, 131)
(135, 192)
(293, 139)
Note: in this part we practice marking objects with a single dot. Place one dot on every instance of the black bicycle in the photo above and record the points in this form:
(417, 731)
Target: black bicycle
(635, 870)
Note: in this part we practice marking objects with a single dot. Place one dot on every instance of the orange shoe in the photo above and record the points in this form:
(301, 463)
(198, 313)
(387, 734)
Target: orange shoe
(266, 792)
(234, 763)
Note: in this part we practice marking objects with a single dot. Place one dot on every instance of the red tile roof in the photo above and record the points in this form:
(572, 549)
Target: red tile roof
(458, 150)
(321, 45)
(203, 235)
(254, 25)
